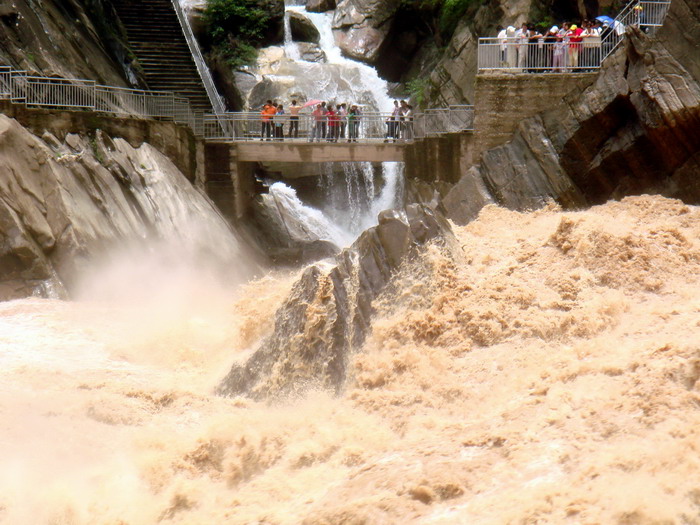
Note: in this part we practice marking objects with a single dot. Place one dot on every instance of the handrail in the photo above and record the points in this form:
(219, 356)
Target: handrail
(510, 54)
(87, 95)
(204, 73)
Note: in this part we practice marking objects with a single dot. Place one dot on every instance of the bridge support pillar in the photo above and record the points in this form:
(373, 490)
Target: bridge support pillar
(229, 183)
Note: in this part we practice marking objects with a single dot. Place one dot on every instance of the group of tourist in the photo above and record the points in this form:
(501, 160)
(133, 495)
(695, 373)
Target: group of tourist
(571, 47)
(331, 123)
(400, 124)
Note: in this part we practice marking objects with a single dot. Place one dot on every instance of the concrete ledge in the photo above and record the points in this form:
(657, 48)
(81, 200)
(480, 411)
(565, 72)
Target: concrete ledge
(318, 152)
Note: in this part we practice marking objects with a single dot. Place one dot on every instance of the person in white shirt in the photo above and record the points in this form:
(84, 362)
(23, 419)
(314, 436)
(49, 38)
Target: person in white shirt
(521, 36)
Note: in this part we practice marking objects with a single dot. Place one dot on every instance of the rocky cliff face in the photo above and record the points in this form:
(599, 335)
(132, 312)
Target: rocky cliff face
(635, 130)
(71, 39)
(66, 202)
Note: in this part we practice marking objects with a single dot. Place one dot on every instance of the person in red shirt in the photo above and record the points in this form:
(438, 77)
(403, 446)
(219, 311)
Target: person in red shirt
(575, 40)
(333, 125)
(266, 115)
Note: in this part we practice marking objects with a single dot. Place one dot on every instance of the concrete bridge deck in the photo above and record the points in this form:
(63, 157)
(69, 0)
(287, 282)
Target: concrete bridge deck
(303, 151)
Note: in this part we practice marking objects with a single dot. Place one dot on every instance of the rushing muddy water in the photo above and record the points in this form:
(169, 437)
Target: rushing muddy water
(542, 369)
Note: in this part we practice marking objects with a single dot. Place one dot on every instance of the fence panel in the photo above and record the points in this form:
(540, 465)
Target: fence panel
(60, 93)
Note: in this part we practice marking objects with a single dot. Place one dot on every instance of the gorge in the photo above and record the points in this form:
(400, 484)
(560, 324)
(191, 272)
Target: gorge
(501, 329)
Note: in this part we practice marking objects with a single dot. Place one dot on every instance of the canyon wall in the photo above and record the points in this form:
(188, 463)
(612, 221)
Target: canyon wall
(634, 130)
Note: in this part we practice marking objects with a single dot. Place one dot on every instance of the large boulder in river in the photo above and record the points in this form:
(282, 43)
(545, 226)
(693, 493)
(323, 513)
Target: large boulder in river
(361, 26)
(329, 309)
(303, 30)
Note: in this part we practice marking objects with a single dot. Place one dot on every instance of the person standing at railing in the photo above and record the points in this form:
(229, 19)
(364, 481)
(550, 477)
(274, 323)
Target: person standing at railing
(324, 125)
(575, 39)
(408, 122)
(564, 34)
(521, 36)
(318, 123)
(267, 114)
(353, 123)
(550, 40)
(511, 47)
(279, 123)
(534, 58)
(391, 122)
(503, 41)
(294, 110)
(333, 124)
(559, 54)
(343, 115)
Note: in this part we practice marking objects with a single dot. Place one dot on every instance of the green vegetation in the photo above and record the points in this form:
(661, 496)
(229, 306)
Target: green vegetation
(439, 17)
(236, 27)
(418, 89)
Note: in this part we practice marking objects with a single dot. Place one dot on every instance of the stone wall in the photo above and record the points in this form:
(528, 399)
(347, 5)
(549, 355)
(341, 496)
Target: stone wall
(503, 101)
(440, 159)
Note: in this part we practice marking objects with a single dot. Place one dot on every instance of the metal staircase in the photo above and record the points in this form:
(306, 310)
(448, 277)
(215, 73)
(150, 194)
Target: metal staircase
(161, 39)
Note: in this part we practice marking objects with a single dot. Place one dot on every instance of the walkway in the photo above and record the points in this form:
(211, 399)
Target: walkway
(512, 55)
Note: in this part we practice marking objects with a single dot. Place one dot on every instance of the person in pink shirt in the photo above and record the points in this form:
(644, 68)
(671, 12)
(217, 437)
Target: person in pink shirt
(318, 124)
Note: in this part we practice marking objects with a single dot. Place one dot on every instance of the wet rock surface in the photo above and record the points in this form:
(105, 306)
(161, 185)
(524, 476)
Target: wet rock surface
(64, 202)
(361, 26)
(303, 30)
(320, 6)
(328, 312)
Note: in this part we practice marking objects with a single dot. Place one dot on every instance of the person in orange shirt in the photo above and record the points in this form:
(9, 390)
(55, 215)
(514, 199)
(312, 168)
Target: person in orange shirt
(267, 114)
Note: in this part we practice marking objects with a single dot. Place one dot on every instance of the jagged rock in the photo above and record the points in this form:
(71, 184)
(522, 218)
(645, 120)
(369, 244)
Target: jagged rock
(320, 6)
(303, 30)
(64, 203)
(291, 233)
(361, 26)
(328, 312)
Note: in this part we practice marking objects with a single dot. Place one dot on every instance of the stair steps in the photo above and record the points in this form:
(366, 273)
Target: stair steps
(157, 40)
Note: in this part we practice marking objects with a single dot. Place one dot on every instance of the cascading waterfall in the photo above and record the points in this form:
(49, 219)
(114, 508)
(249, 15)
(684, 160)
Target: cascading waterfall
(353, 199)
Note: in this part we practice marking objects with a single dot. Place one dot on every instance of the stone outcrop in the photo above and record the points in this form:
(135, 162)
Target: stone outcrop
(635, 130)
(303, 30)
(361, 26)
(64, 202)
(320, 6)
(328, 311)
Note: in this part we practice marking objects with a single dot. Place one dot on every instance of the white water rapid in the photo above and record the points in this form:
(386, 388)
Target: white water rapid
(356, 194)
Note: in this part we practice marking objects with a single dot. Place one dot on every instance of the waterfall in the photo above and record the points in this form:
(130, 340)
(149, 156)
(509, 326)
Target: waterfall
(290, 47)
(353, 199)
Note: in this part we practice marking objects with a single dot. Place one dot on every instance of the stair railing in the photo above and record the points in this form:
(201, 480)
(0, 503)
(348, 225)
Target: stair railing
(204, 73)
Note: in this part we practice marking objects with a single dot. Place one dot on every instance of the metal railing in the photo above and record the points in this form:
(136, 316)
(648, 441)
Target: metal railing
(86, 95)
(215, 99)
(367, 127)
(569, 56)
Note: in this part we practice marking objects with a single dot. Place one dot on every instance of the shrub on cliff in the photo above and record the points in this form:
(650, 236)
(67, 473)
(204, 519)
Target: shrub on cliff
(236, 28)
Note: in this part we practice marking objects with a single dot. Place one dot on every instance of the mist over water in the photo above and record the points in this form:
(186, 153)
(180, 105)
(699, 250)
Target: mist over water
(544, 367)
